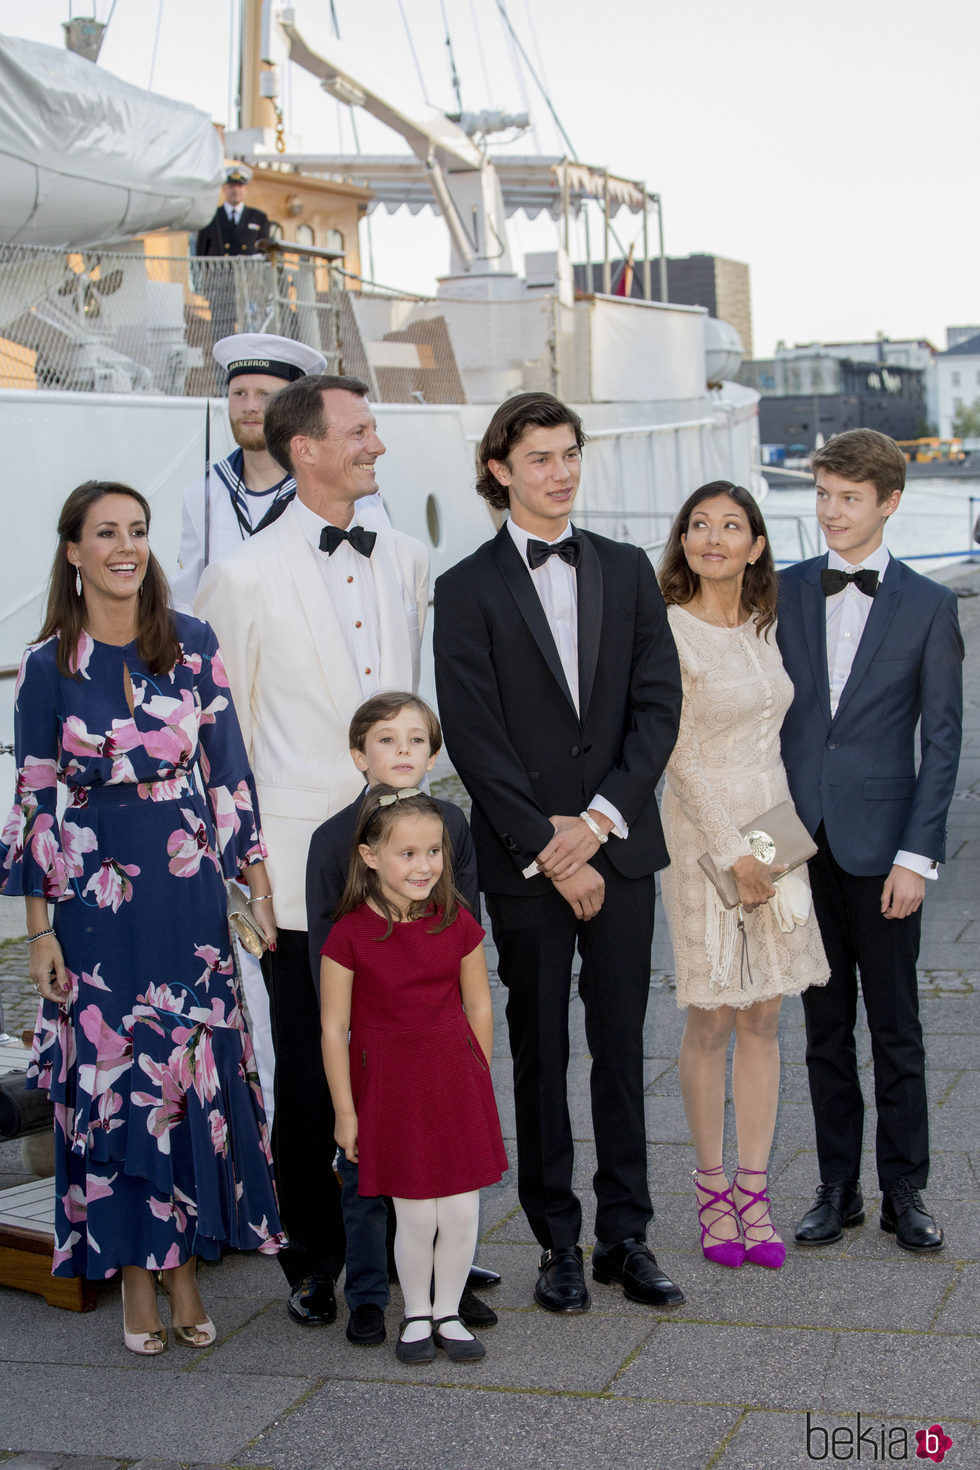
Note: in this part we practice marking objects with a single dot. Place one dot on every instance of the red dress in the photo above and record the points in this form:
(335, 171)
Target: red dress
(427, 1121)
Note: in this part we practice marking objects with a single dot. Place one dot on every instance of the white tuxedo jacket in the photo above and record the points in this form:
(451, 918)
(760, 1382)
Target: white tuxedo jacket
(294, 684)
(225, 532)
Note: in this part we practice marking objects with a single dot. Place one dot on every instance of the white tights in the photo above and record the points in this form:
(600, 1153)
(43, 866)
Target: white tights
(435, 1238)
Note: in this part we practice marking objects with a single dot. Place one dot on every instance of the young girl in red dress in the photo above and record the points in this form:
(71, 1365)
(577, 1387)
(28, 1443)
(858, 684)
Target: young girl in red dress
(407, 1037)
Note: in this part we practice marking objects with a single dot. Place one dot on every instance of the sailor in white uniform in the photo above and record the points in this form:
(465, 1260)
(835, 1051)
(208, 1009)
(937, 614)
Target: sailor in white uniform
(245, 493)
(248, 490)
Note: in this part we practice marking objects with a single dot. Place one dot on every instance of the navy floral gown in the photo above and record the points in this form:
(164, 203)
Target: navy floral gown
(161, 1143)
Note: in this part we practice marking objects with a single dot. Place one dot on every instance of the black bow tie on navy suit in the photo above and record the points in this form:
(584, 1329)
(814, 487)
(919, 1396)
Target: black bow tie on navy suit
(361, 540)
(832, 581)
(569, 550)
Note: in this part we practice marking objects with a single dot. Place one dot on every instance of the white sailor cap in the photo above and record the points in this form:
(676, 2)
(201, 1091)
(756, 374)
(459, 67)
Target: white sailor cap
(238, 173)
(260, 352)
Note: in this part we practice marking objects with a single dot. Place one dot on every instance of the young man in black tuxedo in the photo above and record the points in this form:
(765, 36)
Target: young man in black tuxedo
(560, 696)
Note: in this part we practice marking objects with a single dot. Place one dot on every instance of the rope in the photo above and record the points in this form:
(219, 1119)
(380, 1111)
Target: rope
(411, 47)
(537, 80)
(453, 74)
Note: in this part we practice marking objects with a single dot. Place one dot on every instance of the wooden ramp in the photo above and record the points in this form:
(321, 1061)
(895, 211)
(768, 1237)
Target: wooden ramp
(27, 1229)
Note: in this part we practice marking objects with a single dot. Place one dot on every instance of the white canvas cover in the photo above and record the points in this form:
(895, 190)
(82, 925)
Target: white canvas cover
(87, 159)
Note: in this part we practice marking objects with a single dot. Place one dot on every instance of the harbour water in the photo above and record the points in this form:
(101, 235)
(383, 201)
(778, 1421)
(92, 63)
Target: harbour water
(932, 527)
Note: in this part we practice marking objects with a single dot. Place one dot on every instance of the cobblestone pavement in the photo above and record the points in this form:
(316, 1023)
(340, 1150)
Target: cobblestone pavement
(846, 1354)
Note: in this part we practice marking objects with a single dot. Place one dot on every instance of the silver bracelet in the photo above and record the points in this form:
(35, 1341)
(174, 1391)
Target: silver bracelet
(594, 827)
(259, 897)
(41, 934)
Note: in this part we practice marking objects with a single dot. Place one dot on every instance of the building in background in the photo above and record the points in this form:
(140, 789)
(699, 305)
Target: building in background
(957, 375)
(809, 393)
(721, 286)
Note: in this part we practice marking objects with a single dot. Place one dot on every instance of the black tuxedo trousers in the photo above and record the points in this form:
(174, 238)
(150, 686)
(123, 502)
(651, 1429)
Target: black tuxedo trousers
(536, 938)
(883, 952)
(303, 1145)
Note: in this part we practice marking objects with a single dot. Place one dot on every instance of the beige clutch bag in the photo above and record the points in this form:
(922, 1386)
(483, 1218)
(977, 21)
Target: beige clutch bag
(241, 923)
(777, 836)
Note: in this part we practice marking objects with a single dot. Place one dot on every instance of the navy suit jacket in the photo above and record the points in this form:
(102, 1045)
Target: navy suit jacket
(857, 773)
(511, 727)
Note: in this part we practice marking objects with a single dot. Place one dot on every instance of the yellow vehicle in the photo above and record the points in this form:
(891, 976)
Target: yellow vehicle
(925, 451)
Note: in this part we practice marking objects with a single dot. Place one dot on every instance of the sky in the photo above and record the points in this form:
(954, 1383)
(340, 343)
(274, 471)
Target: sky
(832, 147)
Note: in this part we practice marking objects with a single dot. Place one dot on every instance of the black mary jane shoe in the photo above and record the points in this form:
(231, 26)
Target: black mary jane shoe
(837, 1207)
(561, 1285)
(313, 1303)
(634, 1266)
(422, 1351)
(905, 1216)
(457, 1349)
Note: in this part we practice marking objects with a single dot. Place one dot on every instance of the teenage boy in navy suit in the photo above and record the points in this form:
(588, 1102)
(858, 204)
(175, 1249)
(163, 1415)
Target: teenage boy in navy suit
(874, 650)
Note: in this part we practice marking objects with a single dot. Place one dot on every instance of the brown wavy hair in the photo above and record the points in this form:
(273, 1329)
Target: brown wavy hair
(506, 430)
(156, 637)
(760, 584)
(374, 826)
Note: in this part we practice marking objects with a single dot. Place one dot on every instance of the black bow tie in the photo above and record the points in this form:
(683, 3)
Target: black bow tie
(361, 540)
(832, 581)
(569, 550)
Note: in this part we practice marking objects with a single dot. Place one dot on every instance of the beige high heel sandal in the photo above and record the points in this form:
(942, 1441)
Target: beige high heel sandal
(188, 1335)
(144, 1344)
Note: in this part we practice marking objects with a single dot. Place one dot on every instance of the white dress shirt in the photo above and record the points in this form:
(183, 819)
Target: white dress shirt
(234, 212)
(556, 584)
(349, 579)
(847, 617)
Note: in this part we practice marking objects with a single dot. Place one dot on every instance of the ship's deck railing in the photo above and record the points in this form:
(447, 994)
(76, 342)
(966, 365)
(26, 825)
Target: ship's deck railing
(126, 321)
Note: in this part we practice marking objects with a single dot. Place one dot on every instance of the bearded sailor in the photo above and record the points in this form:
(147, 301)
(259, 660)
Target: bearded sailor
(242, 494)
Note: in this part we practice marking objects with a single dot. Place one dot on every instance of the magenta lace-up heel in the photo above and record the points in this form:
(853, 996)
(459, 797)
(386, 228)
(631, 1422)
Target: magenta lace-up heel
(764, 1249)
(723, 1252)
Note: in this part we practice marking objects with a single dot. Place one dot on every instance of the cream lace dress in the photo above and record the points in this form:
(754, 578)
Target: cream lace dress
(726, 770)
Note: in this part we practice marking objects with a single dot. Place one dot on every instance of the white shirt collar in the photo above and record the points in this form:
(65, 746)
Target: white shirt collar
(875, 561)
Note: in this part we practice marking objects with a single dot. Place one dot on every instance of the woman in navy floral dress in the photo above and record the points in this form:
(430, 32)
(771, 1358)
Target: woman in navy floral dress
(162, 1152)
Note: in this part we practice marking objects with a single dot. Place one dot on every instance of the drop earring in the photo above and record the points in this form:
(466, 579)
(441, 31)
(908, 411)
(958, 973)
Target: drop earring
(78, 582)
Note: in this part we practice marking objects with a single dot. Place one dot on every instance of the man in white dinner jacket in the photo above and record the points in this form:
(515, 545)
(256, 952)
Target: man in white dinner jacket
(313, 616)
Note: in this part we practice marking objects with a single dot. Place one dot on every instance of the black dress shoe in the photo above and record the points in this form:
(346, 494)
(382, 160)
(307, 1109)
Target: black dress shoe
(366, 1325)
(313, 1302)
(905, 1216)
(474, 1313)
(561, 1285)
(836, 1208)
(480, 1278)
(634, 1266)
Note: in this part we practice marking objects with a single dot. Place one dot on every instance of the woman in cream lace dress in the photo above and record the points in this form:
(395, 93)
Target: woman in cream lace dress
(733, 966)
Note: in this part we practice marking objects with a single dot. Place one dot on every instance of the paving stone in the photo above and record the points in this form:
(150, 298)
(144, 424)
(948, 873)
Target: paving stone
(380, 1427)
(130, 1412)
(901, 1374)
(733, 1365)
